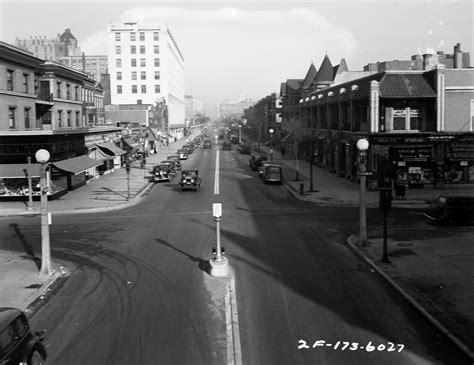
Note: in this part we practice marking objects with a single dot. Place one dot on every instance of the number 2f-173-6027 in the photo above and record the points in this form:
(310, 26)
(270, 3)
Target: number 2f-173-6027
(352, 346)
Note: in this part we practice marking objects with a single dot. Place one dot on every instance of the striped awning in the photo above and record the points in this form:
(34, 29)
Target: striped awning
(112, 148)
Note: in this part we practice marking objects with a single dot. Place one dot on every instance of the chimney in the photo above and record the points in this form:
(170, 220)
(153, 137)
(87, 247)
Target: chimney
(457, 56)
(429, 61)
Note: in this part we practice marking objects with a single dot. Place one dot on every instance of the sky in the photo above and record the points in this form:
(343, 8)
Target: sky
(247, 48)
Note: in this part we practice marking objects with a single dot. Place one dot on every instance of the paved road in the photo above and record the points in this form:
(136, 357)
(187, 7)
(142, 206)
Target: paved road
(138, 293)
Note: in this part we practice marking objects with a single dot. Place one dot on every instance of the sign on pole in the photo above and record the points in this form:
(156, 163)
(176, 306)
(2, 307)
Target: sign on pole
(217, 210)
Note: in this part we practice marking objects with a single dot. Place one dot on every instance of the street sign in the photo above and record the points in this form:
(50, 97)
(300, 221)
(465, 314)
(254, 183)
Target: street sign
(366, 173)
(217, 210)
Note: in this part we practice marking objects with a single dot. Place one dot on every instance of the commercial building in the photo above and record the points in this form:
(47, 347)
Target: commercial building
(147, 67)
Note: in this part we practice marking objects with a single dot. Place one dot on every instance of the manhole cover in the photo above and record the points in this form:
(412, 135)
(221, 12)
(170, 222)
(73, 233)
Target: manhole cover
(405, 244)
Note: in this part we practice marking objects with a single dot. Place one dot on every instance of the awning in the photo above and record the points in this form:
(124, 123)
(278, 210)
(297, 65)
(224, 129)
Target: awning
(131, 143)
(102, 156)
(77, 165)
(166, 135)
(112, 148)
(18, 171)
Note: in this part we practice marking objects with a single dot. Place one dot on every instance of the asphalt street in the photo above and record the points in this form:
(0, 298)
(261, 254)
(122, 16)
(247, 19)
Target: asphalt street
(139, 292)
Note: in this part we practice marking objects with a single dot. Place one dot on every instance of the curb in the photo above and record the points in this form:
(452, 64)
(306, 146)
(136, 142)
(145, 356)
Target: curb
(465, 349)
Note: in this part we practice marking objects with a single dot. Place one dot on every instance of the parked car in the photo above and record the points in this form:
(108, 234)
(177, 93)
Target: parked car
(18, 345)
(207, 143)
(183, 154)
(256, 160)
(162, 172)
(273, 174)
(176, 159)
(456, 209)
(244, 148)
(226, 146)
(261, 169)
(190, 180)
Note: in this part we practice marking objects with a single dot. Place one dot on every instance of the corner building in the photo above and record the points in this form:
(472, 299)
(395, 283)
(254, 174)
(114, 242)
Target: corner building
(146, 67)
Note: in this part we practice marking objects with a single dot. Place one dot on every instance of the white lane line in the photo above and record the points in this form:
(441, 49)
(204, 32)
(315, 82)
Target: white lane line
(216, 176)
(234, 351)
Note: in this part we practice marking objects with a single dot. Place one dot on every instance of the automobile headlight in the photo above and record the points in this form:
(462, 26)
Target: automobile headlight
(192, 180)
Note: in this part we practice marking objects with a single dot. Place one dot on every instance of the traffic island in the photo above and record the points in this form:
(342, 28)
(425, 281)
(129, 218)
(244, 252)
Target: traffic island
(219, 267)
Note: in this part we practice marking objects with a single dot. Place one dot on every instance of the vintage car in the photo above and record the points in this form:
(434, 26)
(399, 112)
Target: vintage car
(189, 147)
(226, 146)
(261, 169)
(176, 160)
(244, 148)
(171, 165)
(207, 143)
(256, 160)
(190, 180)
(452, 210)
(18, 345)
(162, 172)
(183, 154)
(272, 174)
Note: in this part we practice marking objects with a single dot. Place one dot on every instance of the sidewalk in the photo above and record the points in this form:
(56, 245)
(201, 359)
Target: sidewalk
(414, 274)
(435, 275)
(20, 283)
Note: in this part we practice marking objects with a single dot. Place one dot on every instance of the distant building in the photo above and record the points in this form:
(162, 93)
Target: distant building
(146, 66)
(94, 66)
(234, 108)
(194, 106)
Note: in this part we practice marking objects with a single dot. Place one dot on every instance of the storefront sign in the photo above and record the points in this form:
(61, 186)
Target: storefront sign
(461, 151)
(413, 153)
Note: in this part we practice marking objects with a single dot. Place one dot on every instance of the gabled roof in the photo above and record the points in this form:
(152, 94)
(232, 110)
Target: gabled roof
(293, 84)
(325, 72)
(342, 67)
(406, 85)
(310, 75)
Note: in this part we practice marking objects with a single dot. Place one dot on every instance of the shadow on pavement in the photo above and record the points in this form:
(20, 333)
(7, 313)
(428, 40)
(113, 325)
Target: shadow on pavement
(26, 246)
(202, 264)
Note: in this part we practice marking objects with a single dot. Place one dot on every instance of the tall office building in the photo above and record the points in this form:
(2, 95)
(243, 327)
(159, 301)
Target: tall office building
(146, 65)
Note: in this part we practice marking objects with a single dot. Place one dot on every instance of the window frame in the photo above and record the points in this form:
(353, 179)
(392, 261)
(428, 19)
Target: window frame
(12, 117)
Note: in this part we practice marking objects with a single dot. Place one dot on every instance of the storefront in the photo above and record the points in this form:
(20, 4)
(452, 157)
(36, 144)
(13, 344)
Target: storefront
(72, 173)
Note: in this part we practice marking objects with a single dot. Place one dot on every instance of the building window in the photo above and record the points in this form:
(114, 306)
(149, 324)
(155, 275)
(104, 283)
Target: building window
(156, 49)
(10, 80)
(76, 92)
(69, 118)
(60, 118)
(134, 62)
(142, 49)
(118, 62)
(157, 62)
(117, 36)
(134, 89)
(143, 75)
(118, 50)
(156, 36)
(68, 91)
(133, 36)
(142, 62)
(133, 49)
(119, 89)
(119, 75)
(27, 118)
(143, 89)
(12, 117)
(157, 89)
(157, 75)
(25, 82)
(134, 75)
(58, 89)
(142, 36)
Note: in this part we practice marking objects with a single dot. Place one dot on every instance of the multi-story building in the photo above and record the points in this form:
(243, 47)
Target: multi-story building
(64, 45)
(234, 108)
(146, 67)
(94, 66)
(44, 104)
(194, 106)
(419, 123)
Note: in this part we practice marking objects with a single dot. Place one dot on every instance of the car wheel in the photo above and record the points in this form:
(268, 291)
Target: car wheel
(36, 359)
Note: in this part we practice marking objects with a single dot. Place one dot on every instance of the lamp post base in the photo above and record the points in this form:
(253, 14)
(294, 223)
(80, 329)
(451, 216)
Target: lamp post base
(219, 268)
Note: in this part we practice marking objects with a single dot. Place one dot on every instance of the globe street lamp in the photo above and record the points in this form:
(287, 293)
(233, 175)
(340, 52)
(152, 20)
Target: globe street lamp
(362, 146)
(42, 156)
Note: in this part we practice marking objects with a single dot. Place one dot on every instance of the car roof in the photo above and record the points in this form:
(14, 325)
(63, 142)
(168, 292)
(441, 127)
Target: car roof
(7, 314)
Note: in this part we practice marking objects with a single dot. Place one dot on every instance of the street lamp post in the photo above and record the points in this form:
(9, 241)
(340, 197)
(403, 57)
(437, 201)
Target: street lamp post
(240, 133)
(362, 146)
(271, 131)
(42, 156)
(127, 169)
(30, 185)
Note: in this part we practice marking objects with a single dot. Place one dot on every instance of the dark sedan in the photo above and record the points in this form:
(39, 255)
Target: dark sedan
(457, 209)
